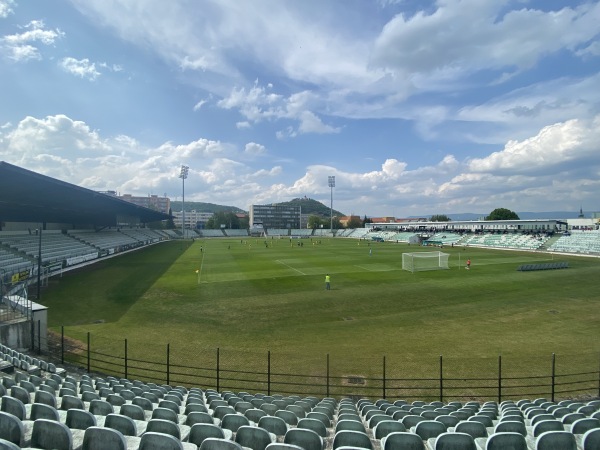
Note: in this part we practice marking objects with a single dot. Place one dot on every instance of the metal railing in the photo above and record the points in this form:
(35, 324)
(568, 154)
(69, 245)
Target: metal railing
(439, 377)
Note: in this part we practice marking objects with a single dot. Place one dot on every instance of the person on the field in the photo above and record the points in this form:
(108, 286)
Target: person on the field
(327, 282)
(469, 264)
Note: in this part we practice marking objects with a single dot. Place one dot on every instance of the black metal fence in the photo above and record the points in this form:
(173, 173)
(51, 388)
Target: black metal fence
(444, 378)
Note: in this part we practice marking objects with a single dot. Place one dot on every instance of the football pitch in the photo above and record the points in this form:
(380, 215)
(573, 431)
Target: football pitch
(254, 295)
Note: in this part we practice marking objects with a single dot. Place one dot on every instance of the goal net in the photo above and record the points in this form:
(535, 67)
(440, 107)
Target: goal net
(414, 262)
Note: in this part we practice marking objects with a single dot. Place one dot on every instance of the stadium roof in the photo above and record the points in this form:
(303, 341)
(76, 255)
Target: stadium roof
(27, 196)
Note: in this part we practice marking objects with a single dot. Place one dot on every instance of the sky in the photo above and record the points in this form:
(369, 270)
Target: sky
(416, 107)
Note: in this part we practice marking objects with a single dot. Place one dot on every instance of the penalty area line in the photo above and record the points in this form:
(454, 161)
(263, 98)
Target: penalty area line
(293, 268)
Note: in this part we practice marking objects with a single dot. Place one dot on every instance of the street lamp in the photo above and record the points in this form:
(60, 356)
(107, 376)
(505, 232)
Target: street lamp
(331, 182)
(183, 175)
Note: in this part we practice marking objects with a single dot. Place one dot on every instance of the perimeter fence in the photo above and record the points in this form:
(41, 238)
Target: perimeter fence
(437, 377)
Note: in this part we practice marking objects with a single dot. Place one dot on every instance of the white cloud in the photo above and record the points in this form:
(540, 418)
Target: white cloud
(199, 105)
(554, 147)
(82, 68)
(254, 149)
(472, 35)
(22, 46)
(243, 125)
(257, 104)
(6, 8)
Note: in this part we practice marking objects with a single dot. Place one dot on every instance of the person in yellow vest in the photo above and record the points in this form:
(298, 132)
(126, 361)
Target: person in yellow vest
(327, 282)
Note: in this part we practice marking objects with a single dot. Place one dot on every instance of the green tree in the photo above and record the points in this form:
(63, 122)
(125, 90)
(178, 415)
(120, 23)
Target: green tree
(502, 214)
(354, 222)
(314, 222)
(229, 219)
(366, 220)
(170, 225)
(440, 218)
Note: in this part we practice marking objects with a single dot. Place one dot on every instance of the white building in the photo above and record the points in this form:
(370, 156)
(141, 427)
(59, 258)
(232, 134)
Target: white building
(193, 219)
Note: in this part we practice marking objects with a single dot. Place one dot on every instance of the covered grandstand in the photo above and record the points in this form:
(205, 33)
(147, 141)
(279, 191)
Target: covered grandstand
(48, 224)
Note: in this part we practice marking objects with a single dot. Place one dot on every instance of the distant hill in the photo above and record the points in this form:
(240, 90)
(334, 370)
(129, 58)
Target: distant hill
(313, 207)
(205, 207)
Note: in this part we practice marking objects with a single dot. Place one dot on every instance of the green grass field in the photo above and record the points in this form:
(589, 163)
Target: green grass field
(249, 298)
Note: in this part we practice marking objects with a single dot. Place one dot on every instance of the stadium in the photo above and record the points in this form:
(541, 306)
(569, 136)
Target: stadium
(118, 333)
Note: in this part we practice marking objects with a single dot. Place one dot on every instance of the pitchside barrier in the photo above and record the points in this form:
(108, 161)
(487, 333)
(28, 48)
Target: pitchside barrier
(392, 376)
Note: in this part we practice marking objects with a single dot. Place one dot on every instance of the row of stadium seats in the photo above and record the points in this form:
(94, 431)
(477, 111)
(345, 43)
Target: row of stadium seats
(47, 410)
(516, 241)
(586, 242)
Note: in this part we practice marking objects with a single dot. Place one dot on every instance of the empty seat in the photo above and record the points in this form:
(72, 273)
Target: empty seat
(163, 426)
(99, 438)
(454, 441)
(429, 429)
(313, 424)
(511, 426)
(273, 424)
(121, 423)
(144, 403)
(449, 421)
(402, 440)
(43, 411)
(13, 406)
(350, 425)
(581, 426)
(198, 417)
(11, 428)
(382, 429)
(79, 419)
(547, 425)
(7, 445)
(51, 435)
(253, 437)
(591, 439)
(101, 408)
(201, 431)
(411, 420)
(21, 394)
(354, 439)
(133, 411)
(307, 439)
(159, 441)
(287, 416)
(233, 422)
(506, 440)
(71, 402)
(254, 414)
(553, 440)
(219, 444)
(475, 429)
(166, 414)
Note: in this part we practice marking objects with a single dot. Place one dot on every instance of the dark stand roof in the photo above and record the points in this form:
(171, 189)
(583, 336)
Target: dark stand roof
(27, 196)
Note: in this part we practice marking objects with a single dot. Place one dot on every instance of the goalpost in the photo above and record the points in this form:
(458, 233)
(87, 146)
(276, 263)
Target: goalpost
(414, 262)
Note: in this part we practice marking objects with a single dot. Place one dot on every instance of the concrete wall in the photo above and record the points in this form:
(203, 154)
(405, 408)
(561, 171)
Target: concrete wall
(16, 335)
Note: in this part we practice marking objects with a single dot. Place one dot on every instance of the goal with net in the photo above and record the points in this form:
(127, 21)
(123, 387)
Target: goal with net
(414, 262)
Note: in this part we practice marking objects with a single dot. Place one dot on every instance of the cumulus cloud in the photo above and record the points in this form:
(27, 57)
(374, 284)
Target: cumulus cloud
(555, 146)
(6, 8)
(254, 149)
(257, 104)
(82, 68)
(24, 46)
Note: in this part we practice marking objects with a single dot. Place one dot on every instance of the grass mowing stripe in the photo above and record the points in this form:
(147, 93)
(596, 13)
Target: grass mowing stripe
(252, 302)
(287, 265)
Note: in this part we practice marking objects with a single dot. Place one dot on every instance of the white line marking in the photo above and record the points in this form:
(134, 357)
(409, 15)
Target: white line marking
(287, 265)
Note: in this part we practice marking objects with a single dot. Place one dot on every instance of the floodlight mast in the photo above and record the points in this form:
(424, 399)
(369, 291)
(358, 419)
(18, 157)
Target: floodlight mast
(331, 183)
(183, 175)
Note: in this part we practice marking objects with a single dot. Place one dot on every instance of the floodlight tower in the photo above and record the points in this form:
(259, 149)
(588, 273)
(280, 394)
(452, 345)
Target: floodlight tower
(183, 175)
(331, 183)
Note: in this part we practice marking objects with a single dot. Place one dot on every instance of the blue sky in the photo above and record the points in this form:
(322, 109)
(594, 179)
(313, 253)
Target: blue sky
(416, 107)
